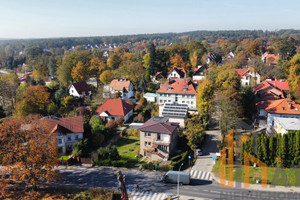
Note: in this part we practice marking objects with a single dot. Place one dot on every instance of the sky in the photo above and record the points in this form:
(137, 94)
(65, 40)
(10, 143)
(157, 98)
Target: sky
(76, 18)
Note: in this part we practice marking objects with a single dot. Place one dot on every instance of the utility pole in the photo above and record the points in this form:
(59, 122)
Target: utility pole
(178, 181)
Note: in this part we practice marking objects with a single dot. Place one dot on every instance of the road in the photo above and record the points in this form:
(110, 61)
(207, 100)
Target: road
(150, 184)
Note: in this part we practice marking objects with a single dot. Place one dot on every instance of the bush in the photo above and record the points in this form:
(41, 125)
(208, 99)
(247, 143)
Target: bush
(110, 153)
(111, 124)
(119, 163)
(166, 167)
(119, 121)
(148, 166)
(124, 133)
(176, 164)
(133, 132)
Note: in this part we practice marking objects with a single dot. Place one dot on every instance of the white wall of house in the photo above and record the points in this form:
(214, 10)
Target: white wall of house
(262, 113)
(104, 116)
(66, 142)
(270, 120)
(279, 129)
(73, 92)
(198, 77)
(125, 95)
(173, 74)
(189, 99)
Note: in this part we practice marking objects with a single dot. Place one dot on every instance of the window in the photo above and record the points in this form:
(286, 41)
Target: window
(69, 138)
(71, 127)
(59, 141)
(162, 147)
(192, 102)
(158, 136)
(72, 91)
(184, 101)
(160, 101)
(183, 96)
(76, 137)
(147, 144)
(169, 100)
(147, 134)
(188, 102)
(165, 101)
(169, 95)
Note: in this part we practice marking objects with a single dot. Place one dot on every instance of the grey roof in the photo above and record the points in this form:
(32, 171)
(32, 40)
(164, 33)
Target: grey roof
(175, 110)
(148, 94)
(289, 124)
(158, 125)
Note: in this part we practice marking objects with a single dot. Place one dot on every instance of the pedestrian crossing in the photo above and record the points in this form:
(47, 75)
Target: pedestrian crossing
(146, 195)
(201, 175)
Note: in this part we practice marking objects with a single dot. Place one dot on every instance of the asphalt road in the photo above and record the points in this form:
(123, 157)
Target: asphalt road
(85, 177)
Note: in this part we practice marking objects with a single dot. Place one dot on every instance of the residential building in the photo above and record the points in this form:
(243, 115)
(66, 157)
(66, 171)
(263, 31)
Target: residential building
(266, 91)
(180, 91)
(158, 139)
(175, 112)
(198, 74)
(125, 87)
(270, 59)
(284, 125)
(158, 76)
(113, 109)
(280, 84)
(69, 131)
(248, 76)
(151, 97)
(283, 108)
(177, 73)
(80, 89)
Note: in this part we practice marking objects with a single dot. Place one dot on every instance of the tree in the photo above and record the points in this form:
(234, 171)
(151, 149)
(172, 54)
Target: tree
(35, 101)
(205, 92)
(106, 77)
(40, 72)
(177, 61)
(8, 92)
(79, 72)
(28, 151)
(96, 68)
(114, 61)
(132, 71)
(194, 132)
(294, 73)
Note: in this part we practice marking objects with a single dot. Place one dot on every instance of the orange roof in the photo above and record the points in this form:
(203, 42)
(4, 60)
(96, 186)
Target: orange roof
(177, 86)
(118, 85)
(266, 91)
(264, 104)
(116, 107)
(243, 72)
(67, 124)
(282, 85)
(284, 106)
(272, 56)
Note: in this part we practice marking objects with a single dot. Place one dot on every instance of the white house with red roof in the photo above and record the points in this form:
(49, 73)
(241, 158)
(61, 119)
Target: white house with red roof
(180, 91)
(280, 84)
(69, 131)
(80, 89)
(248, 76)
(113, 109)
(198, 74)
(177, 72)
(283, 108)
(270, 59)
(125, 87)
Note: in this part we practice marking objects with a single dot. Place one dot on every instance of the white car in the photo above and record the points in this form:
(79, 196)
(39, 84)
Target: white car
(199, 152)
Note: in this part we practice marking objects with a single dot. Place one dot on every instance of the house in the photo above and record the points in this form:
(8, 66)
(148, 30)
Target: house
(69, 131)
(177, 73)
(198, 74)
(181, 91)
(112, 109)
(266, 91)
(80, 89)
(284, 125)
(248, 76)
(270, 59)
(280, 84)
(175, 112)
(125, 87)
(151, 97)
(213, 57)
(158, 76)
(158, 139)
(283, 108)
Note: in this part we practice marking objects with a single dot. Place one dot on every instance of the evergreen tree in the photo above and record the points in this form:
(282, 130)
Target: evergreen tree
(152, 62)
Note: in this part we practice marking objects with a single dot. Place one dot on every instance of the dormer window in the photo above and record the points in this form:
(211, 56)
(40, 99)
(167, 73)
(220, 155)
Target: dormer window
(283, 108)
(71, 127)
(109, 110)
(170, 88)
(185, 89)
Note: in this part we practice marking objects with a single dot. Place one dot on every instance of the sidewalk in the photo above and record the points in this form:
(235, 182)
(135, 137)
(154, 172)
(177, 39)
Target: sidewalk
(269, 188)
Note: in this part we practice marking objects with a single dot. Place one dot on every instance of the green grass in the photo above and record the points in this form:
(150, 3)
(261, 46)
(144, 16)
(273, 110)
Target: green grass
(128, 148)
(64, 157)
(275, 176)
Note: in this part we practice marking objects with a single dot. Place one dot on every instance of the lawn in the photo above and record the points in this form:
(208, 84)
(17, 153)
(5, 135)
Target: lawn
(275, 176)
(128, 148)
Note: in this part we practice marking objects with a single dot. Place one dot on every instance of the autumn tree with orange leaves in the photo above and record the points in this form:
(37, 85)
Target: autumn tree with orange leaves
(35, 100)
(28, 152)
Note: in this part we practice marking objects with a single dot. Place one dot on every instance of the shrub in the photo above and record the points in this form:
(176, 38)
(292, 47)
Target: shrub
(111, 124)
(119, 121)
(176, 164)
(110, 153)
(166, 167)
(148, 166)
(124, 133)
(133, 132)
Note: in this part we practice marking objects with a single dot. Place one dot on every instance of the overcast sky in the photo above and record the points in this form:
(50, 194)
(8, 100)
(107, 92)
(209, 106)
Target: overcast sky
(68, 18)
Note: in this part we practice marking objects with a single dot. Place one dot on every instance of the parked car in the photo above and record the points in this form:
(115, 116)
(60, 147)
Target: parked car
(172, 177)
(199, 152)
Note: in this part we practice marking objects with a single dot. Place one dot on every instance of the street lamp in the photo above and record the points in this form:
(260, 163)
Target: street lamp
(178, 181)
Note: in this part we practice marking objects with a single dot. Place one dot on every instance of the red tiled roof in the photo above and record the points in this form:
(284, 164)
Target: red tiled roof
(266, 91)
(119, 85)
(284, 106)
(81, 86)
(177, 86)
(67, 124)
(264, 104)
(282, 85)
(242, 72)
(159, 127)
(116, 107)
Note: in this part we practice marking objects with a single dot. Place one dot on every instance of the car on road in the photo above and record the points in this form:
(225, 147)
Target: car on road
(199, 152)
(172, 177)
